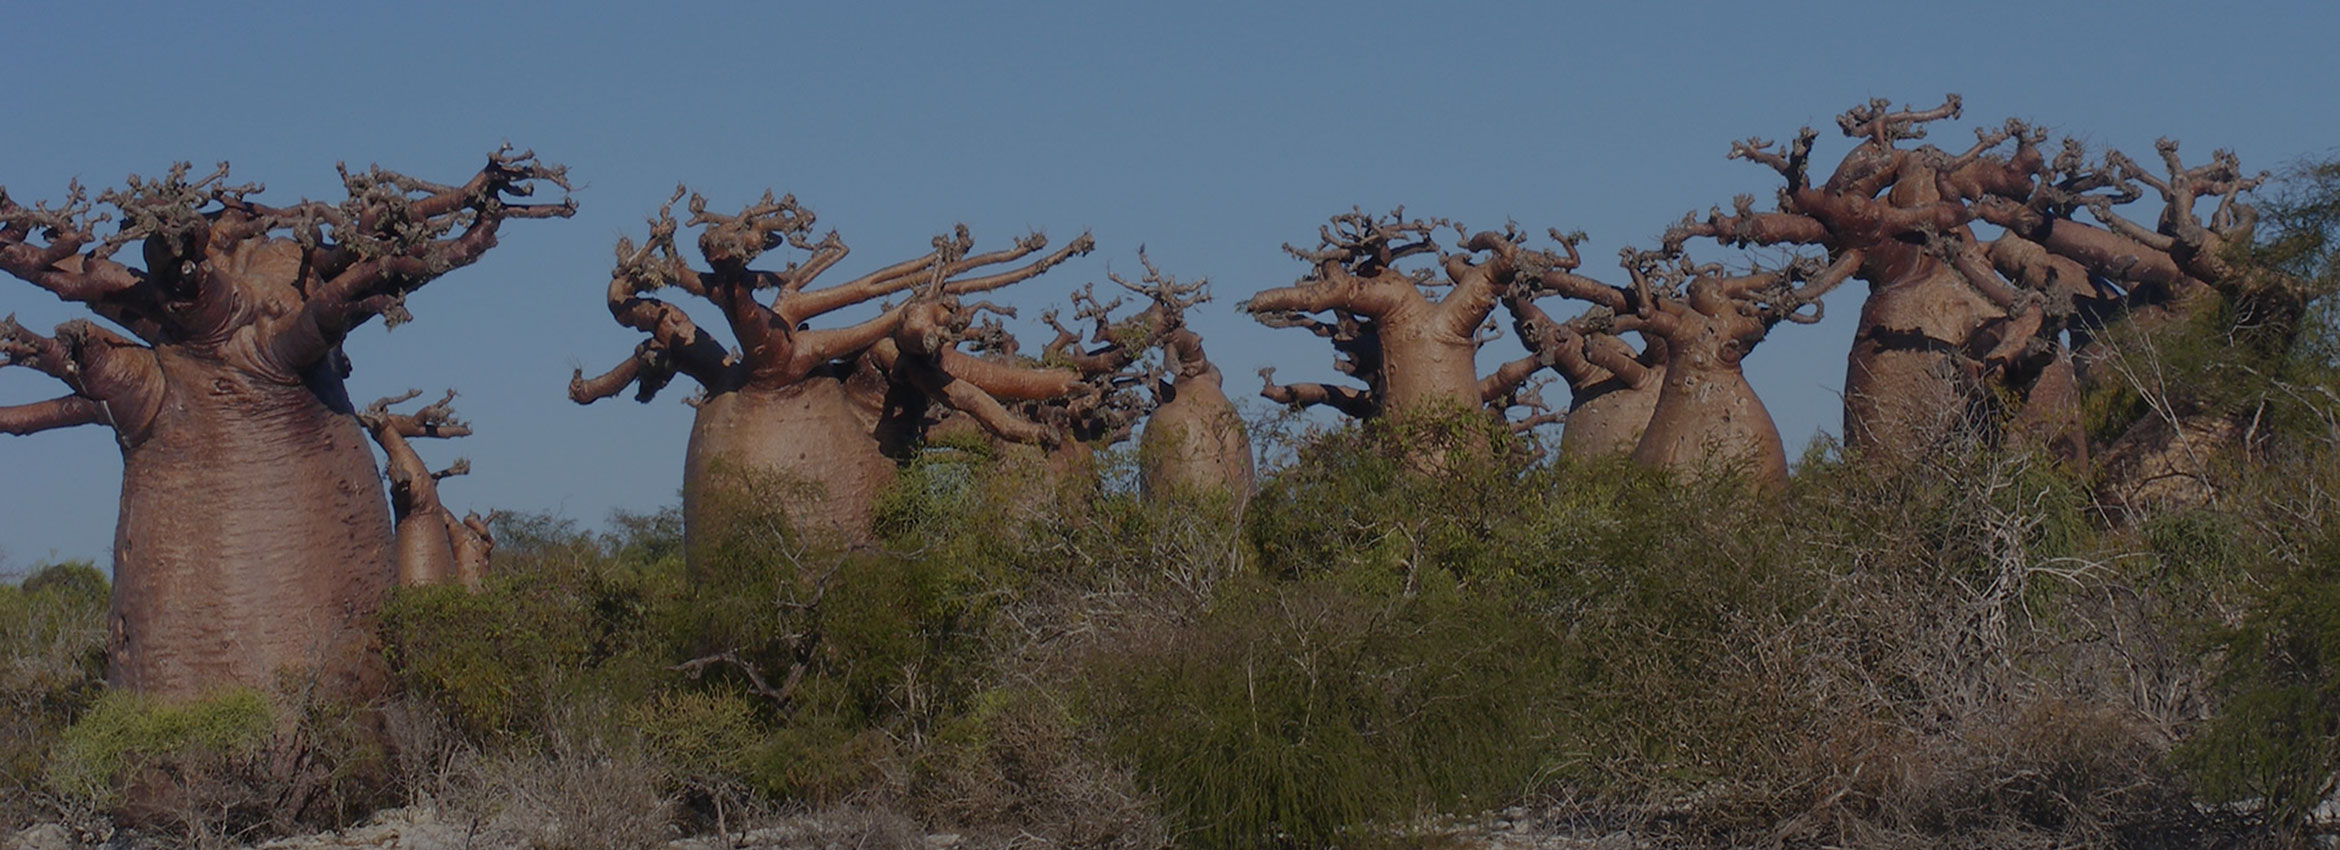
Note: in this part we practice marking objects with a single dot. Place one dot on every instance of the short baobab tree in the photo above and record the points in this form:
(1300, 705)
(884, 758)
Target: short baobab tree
(253, 535)
(1194, 442)
(1415, 355)
(1901, 216)
(1709, 320)
(434, 546)
(815, 407)
(1612, 386)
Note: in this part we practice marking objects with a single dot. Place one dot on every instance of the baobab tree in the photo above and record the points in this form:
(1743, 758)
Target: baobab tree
(1612, 386)
(1900, 216)
(1194, 442)
(1709, 321)
(817, 407)
(434, 546)
(1414, 354)
(253, 535)
(2187, 267)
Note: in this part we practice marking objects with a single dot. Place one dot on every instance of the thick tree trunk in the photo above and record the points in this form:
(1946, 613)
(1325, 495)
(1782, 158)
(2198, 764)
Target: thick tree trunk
(254, 537)
(1195, 444)
(426, 550)
(1905, 384)
(1428, 368)
(1609, 417)
(1708, 414)
(2051, 414)
(806, 448)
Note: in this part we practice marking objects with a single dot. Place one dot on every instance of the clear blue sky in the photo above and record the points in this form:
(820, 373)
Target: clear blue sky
(1211, 133)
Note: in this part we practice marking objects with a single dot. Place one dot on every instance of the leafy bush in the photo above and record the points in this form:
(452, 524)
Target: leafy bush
(52, 668)
(124, 735)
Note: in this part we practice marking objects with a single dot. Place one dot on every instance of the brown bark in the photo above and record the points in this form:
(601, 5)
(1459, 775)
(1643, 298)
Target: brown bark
(805, 445)
(1613, 388)
(1705, 416)
(1412, 353)
(1195, 442)
(254, 539)
(807, 416)
(2185, 266)
(433, 545)
(1902, 213)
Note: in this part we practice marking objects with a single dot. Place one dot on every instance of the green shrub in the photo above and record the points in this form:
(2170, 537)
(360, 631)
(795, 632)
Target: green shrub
(124, 735)
(564, 618)
(52, 668)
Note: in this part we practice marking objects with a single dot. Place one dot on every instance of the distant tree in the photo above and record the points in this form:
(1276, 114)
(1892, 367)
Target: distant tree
(253, 534)
(434, 545)
(1194, 441)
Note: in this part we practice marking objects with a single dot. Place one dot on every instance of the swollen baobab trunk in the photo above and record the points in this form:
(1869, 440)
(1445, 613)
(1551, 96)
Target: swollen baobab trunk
(254, 540)
(1706, 415)
(798, 416)
(1415, 355)
(1902, 215)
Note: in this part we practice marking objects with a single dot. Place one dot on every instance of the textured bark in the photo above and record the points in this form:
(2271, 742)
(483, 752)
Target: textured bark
(254, 540)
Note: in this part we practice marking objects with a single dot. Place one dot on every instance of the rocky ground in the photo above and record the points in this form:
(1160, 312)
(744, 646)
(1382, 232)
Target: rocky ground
(423, 828)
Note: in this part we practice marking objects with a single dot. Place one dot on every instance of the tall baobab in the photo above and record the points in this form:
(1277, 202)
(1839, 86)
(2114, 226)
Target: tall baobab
(253, 534)
(1900, 215)
(434, 546)
(1413, 354)
(816, 407)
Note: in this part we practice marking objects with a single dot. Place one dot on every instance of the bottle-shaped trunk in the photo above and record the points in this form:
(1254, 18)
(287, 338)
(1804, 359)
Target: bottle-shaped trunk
(1709, 417)
(1194, 444)
(254, 539)
(1427, 369)
(426, 551)
(806, 449)
(1609, 417)
(1906, 383)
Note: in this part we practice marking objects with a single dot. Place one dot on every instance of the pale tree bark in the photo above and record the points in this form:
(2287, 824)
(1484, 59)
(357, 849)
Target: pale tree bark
(253, 539)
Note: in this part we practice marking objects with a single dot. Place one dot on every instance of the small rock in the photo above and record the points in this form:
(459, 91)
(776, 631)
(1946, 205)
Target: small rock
(942, 839)
(47, 836)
